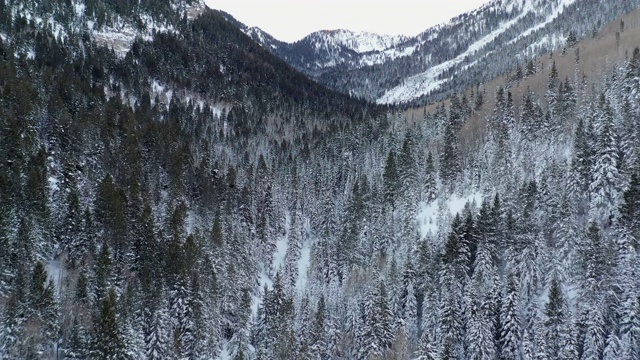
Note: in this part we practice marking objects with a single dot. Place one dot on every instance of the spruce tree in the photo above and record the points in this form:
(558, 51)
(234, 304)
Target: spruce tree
(107, 340)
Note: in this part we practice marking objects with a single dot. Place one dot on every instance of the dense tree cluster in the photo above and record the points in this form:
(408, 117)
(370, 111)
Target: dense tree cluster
(233, 222)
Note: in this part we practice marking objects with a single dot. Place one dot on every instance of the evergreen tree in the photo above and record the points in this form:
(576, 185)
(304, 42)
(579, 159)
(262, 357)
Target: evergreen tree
(107, 340)
(450, 166)
(594, 340)
(510, 320)
(319, 332)
(377, 333)
(605, 185)
(392, 182)
(555, 314)
(429, 179)
(426, 349)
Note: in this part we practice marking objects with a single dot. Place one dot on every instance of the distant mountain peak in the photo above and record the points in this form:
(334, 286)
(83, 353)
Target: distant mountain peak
(359, 41)
(471, 48)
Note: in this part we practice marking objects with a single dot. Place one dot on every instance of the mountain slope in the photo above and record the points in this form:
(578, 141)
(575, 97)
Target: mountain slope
(141, 149)
(471, 48)
(194, 197)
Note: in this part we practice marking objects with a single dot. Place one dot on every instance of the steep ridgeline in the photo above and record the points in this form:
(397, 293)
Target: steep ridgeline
(469, 49)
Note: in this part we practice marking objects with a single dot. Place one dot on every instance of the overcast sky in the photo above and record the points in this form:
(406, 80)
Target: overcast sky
(291, 20)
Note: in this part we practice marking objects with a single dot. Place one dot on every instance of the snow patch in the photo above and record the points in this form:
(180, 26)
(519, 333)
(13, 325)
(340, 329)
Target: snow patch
(386, 55)
(190, 222)
(54, 184)
(119, 41)
(428, 213)
(264, 278)
(362, 41)
(55, 274)
(79, 9)
(281, 251)
(303, 262)
(224, 352)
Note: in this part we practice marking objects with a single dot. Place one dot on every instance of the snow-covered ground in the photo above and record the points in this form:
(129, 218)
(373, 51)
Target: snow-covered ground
(375, 58)
(428, 213)
(265, 276)
(303, 266)
(56, 273)
(224, 353)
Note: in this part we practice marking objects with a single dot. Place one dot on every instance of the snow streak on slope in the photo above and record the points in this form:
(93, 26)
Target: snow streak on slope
(55, 273)
(555, 14)
(305, 259)
(424, 83)
(265, 276)
(393, 53)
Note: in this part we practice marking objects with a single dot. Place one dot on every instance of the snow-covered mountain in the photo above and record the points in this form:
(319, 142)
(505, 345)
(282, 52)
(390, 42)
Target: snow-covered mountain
(329, 49)
(471, 48)
(325, 50)
(358, 41)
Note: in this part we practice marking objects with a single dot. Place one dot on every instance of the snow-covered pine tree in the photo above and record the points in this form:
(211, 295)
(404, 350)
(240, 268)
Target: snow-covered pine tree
(605, 186)
(510, 321)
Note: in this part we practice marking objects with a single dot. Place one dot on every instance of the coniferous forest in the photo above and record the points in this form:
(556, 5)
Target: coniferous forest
(197, 198)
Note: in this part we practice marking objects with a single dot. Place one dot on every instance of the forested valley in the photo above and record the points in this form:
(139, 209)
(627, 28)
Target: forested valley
(197, 198)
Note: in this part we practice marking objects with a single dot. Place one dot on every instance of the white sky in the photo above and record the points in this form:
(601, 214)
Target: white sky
(291, 20)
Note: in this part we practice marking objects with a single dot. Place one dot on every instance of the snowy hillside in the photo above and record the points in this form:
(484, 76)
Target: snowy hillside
(360, 42)
(169, 189)
(430, 80)
(471, 48)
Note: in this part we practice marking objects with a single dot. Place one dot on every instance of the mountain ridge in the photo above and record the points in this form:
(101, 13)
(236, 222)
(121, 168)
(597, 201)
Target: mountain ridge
(473, 45)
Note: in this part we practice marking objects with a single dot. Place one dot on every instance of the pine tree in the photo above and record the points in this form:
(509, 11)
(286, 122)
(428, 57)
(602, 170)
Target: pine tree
(406, 168)
(594, 340)
(392, 183)
(408, 302)
(612, 349)
(604, 187)
(156, 337)
(480, 327)
(103, 272)
(377, 333)
(318, 334)
(426, 349)
(450, 166)
(42, 312)
(107, 340)
(510, 320)
(554, 324)
(430, 179)
(582, 164)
